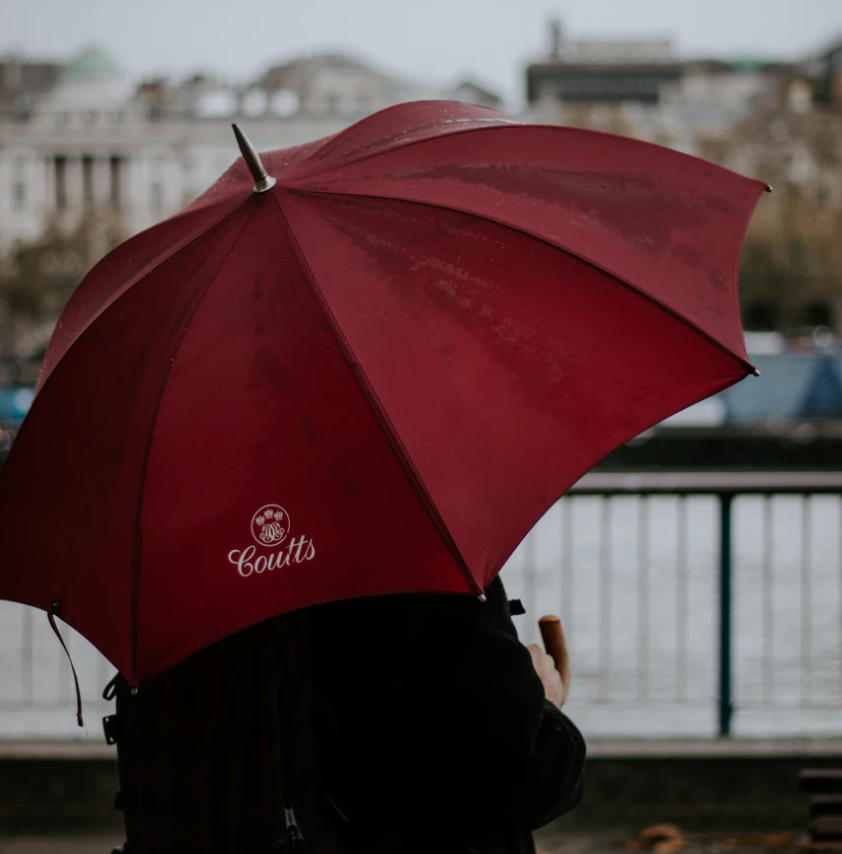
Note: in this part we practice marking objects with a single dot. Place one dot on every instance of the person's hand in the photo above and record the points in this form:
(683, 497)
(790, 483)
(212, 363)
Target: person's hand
(555, 688)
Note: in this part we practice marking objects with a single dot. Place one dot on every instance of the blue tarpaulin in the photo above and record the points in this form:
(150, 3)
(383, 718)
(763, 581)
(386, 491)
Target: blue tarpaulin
(790, 386)
(15, 402)
(824, 392)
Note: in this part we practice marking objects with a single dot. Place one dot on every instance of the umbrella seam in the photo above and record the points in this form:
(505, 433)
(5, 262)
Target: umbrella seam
(149, 272)
(605, 271)
(108, 308)
(510, 124)
(505, 123)
(379, 412)
(720, 387)
(138, 534)
(736, 265)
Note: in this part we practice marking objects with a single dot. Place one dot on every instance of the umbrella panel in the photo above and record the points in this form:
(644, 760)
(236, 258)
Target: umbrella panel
(668, 224)
(70, 523)
(519, 365)
(230, 394)
(127, 265)
(261, 408)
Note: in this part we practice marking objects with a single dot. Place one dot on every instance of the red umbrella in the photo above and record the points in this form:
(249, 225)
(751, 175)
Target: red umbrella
(372, 376)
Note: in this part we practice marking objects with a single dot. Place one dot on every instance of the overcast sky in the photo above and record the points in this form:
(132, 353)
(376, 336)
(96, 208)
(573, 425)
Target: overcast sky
(430, 40)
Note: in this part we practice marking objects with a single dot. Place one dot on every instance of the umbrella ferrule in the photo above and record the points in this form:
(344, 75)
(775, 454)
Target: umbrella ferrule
(262, 180)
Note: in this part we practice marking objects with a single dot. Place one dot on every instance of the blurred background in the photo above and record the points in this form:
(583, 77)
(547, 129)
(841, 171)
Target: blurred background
(698, 571)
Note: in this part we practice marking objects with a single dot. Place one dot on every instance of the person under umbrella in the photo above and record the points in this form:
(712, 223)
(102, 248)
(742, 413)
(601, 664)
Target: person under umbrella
(410, 723)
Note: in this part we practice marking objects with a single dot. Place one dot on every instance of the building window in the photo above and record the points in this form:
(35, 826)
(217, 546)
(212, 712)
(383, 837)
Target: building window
(817, 314)
(60, 165)
(761, 316)
(115, 169)
(18, 196)
(19, 185)
(88, 182)
(90, 118)
(284, 103)
(156, 192)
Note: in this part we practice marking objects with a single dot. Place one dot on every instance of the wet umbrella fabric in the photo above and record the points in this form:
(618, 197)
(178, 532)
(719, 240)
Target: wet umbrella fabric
(374, 377)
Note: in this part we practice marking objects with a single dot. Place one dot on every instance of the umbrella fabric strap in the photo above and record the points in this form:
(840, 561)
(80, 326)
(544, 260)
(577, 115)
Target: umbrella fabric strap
(55, 607)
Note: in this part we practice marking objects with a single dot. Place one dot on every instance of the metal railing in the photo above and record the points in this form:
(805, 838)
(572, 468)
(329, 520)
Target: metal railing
(665, 582)
(692, 602)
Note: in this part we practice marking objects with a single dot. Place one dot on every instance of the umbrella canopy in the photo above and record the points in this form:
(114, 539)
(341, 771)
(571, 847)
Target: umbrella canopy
(372, 377)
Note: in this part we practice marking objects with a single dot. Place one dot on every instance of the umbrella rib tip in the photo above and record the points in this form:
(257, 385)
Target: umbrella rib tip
(262, 180)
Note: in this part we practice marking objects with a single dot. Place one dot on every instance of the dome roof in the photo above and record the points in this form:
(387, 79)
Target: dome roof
(747, 64)
(94, 63)
(93, 81)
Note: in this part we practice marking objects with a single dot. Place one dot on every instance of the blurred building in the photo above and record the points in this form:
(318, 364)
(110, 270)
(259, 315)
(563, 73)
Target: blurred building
(600, 75)
(88, 156)
(642, 88)
(826, 73)
(22, 82)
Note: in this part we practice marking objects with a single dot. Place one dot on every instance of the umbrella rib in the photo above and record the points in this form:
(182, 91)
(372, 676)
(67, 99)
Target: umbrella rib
(138, 534)
(747, 366)
(379, 412)
(501, 123)
(162, 260)
(104, 310)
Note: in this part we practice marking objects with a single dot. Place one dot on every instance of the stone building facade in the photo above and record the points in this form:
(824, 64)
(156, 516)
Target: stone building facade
(88, 157)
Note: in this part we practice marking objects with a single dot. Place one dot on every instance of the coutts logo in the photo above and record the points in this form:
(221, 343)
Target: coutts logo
(270, 525)
(269, 528)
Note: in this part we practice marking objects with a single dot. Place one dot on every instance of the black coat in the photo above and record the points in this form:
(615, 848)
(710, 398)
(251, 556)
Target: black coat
(433, 725)
(424, 723)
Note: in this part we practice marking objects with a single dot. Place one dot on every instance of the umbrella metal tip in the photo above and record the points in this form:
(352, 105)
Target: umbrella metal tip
(262, 181)
(755, 372)
(769, 188)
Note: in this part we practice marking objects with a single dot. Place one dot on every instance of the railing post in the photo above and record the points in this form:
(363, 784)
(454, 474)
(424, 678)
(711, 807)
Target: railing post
(725, 704)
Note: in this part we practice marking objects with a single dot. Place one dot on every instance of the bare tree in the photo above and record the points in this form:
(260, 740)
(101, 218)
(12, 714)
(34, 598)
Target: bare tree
(37, 278)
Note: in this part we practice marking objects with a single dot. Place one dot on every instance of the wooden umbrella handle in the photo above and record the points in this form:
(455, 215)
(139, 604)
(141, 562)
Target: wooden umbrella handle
(555, 645)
